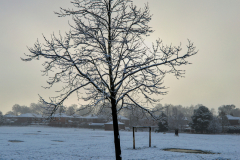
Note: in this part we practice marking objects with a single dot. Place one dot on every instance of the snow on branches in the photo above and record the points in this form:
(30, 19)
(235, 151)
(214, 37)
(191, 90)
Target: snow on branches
(104, 56)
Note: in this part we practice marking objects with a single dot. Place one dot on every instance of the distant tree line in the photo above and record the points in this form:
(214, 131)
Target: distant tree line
(198, 117)
(39, 108)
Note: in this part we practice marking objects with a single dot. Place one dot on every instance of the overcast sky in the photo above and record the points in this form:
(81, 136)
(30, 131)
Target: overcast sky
(213, 25)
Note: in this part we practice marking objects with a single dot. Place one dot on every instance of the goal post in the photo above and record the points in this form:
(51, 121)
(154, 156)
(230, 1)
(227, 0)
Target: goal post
(135, 127)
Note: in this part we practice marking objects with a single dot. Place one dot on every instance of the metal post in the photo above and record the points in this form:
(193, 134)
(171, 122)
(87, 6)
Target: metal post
(133, 138)
(150, 136)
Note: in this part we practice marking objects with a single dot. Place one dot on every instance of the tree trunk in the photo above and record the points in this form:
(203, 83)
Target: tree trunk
(116, 130)
(112, 90)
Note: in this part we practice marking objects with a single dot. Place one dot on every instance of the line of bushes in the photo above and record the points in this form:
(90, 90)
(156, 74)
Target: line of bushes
(233, 129)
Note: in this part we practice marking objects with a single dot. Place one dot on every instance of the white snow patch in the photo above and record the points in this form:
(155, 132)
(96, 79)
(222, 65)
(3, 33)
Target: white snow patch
(112, 122)
(86, 144)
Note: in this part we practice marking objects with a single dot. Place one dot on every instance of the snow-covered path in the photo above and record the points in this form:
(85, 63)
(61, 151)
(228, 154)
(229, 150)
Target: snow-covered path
(85, 144)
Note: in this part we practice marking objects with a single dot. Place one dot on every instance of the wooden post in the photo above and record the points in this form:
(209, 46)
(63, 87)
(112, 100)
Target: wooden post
(135, 128)
(150, 136)
(133, 138)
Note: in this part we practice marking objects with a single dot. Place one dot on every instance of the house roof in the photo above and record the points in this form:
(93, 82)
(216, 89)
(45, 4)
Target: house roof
(232, 118)
(29, 115)
(91, 117)
(62, 115)
(122, 118)
(37, 115)
(96, 124)
(9, 115)
(112, 122)
(77, 116)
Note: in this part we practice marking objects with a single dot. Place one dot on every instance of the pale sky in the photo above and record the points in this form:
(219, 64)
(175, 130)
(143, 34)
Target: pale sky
(213, 25)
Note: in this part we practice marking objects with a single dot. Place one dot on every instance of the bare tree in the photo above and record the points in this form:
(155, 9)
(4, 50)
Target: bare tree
(105, 57)
(10, 112)
(227, 109)
(71, 110)
(223, 119)
(213, 111)
(214, 125)
(17, 109)
(235, 112)
(37, 108)
(137, 115)
(181, 121)
(104, 111)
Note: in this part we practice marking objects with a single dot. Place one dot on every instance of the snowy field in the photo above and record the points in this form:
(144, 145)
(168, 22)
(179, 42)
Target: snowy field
(86, 144)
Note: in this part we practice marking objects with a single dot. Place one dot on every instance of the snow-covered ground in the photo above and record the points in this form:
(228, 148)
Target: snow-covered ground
(86, 144)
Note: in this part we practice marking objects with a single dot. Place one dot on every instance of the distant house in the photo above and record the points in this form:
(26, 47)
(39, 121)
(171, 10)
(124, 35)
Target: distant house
(188, 129)
(28, 118)
(124, 120)
(93, 119)
(61, 120)
(184, 125)
(233, 121)
(109, 126)
(9, 119)
(77, 120)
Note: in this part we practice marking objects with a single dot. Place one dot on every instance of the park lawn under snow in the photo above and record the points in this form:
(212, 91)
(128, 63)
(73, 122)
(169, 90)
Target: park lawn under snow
(87, 144)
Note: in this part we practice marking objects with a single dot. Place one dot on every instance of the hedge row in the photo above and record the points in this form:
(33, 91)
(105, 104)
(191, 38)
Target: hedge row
(232, 129)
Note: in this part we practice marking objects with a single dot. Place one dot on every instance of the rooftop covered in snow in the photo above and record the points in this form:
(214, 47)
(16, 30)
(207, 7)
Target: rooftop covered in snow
(230, 117)
(30, 115)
